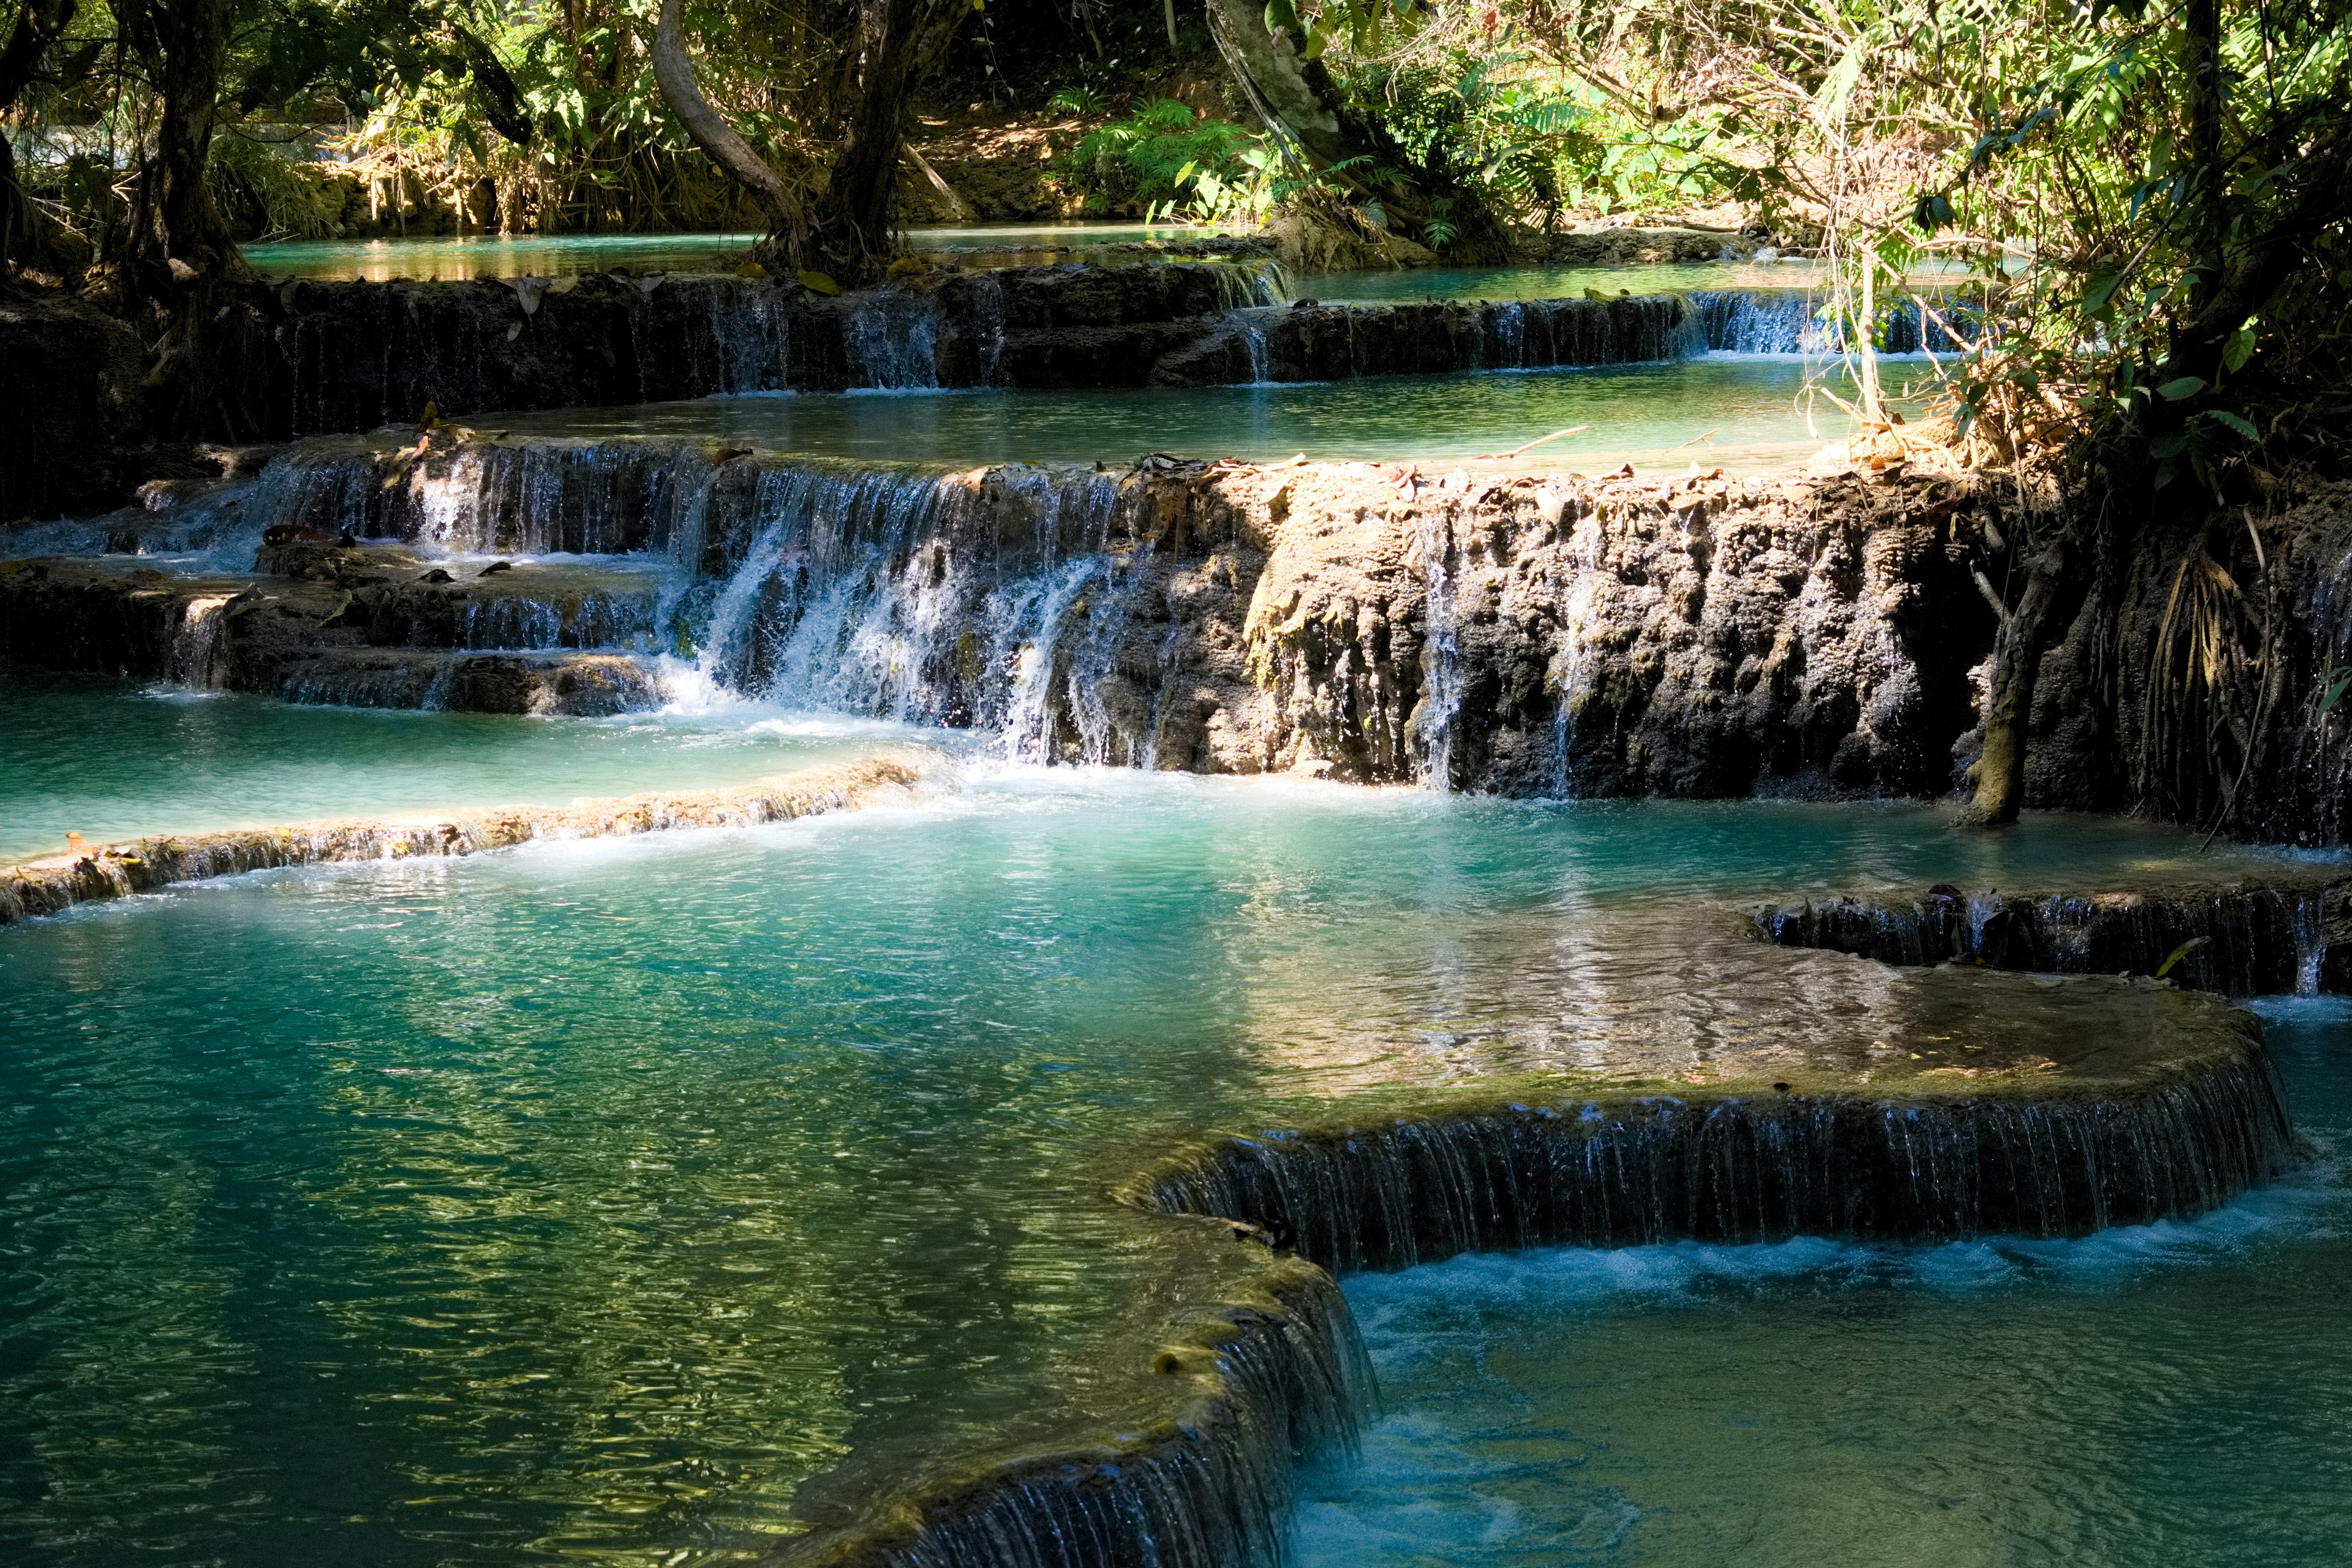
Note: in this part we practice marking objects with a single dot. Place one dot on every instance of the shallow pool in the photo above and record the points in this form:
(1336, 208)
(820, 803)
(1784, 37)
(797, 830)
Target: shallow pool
(587, 1203)
(1746, 414)
(555, 254)
(2177, 1394)
(110, 759)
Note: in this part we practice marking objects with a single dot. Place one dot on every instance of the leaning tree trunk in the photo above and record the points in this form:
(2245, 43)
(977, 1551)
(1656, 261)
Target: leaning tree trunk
(845, 231)
(674, 74)
(1295, 95)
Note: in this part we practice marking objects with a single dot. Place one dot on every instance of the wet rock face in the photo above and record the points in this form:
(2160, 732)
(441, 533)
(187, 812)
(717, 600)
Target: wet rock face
(362, 628)
(1704, 637)
(2243, 940)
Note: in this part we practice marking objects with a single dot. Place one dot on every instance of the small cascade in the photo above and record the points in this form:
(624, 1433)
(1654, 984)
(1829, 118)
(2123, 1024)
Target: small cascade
(1760, 321)
(1507, 331)
(1204, 1486)
(892, 337)
(1240, 285)
(1254, 344)
(751, 327)
(1788, 322)
(197, 646)
(2239, 941)
(1441, 704)
(1003, 605)
(2310, 923)
(1658, 1169)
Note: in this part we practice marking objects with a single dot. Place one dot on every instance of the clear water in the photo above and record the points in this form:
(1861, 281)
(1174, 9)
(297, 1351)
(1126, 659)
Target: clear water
(1570, 282)
(108, 759)
(2177, 1394)
(1745, 414)
(583, 1202)
(553, 256)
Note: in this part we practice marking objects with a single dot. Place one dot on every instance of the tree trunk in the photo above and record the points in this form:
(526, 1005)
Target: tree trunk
(846, 231)
(674, 74)
(178, 255)
(2000, 770)
(1285, 88)
(852, 236)
(178, 241)
(41, 24)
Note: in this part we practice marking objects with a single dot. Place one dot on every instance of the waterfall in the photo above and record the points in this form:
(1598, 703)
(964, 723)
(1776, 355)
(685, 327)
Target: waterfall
(1004, 604)
(753, 329)
(1760, 321)
(1644, 1170)
(1508, 328)
(196, 644)
(2310, 923)
(1254, 345)
(1441, 703)
(2243, 942)
(892, 335)
(1788, 321)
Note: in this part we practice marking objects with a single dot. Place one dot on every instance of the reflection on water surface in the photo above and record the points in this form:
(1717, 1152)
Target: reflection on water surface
(587, 1201)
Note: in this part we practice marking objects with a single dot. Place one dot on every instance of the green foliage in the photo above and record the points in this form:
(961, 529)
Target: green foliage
(1164, 155)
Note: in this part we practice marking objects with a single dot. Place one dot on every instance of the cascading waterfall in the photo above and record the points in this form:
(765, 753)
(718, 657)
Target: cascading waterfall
(2310, 923)
(1441, 703)
(1740, 1170)
(2239, 941)
(196, 644)
(893, 595)
(892, 334)
(1788, 322)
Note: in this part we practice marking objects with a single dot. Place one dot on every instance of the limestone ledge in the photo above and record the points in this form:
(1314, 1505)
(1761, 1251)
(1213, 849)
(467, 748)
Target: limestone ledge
(55, 883)
(2291, 931)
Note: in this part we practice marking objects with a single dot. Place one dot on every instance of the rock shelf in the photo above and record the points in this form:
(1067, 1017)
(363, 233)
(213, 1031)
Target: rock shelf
(1497, 632)
(55, 883)
(2290, 934)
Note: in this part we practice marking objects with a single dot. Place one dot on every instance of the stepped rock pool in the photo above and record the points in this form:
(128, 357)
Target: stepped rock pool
(640, 1202)
(2171, 1393)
